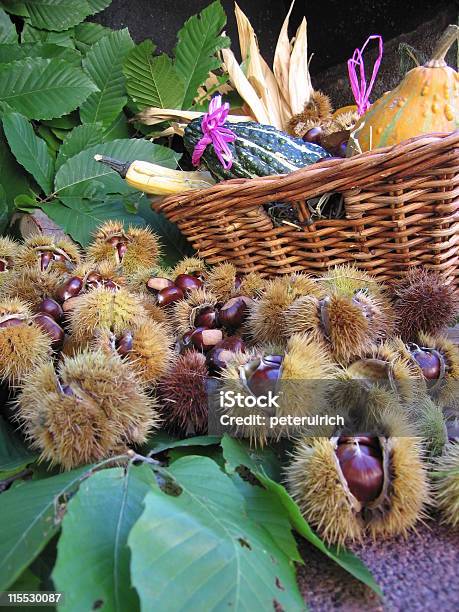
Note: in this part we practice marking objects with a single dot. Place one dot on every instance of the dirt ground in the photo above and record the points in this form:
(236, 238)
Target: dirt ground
(420, 573)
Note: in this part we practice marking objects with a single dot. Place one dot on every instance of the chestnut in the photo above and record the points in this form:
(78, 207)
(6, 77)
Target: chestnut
(313, 135)
(93, 279)
(53, 329)
(362, 440)
(267, 373)
(234, 312)
(51, 308)
(156, 283)
(124, 343)
(69, 289)
(187, 282)
(204, 339)
(46, 257)
(12, 322)
(206, 317)
(223, 352)
(362, 470)
(168, 295)
(120, 244)
(429, 362)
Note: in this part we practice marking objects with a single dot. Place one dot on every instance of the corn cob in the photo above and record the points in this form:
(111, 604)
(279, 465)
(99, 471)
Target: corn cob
(155, 179)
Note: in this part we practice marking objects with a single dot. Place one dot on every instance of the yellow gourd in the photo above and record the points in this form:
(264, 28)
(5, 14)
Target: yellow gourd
(427, 100)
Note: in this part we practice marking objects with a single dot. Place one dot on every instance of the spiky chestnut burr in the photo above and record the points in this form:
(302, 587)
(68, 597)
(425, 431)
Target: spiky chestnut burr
(429, 423)
(347, 324)
(190, 265)
(44, 252)
(423, 302)
(186, 312)
(183, 394)
(438, 359)
(101, 274)
(388, 364)
(32, 285)
(318, 110)
(9, 250)
(85, 409)
(146, 347)
(132, 249)
(23, 344)
(266, 320)
(224, 282)
(300, 373)
(445, 484)
(103, 308)
(345, 502)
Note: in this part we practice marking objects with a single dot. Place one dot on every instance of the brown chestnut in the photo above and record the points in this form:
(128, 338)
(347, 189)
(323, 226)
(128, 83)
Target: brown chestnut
(51, 308)
(223, 352)
(93, 279)
(265, 376)
(156, 283)
(362, 471)
(168, 295)
(206, 317)
(234, 312)
(429, 362)
(53, 329)
(120, 244)
(362, 440)
(46, 257)
(70, 304)
(12, 322)
(69, 289)
(187, 282)
(313, 135)
(204, 339)
(124, 343)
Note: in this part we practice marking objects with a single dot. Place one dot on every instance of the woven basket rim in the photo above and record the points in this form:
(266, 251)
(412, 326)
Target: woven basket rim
(384, 161)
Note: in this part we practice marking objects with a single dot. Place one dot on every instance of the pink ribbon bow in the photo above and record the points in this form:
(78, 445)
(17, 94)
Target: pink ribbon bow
(214, 133)
(359, 88)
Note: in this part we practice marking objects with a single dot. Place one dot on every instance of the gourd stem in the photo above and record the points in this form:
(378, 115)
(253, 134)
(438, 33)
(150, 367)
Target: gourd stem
(446, 40)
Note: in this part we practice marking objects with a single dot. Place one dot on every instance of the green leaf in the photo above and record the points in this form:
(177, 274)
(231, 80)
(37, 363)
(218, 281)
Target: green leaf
(75, 177)
(200, 546)
(195, 53)
(48, 136)
(12, 177)
(344, 558)
(43, 88)
(104, 65)
(239, 452)
(15, 7)
(61, 14)
(87, 34)
(30, 150)
(162, 441)
(265, 508)
(25, 202)
(152, 81)
(4, 209)
(8, 32)
(31, 515)
(14, 455)
(97, 524)
(26, 582)
(67, 122)
(30, 34)
(11, 53)
(80, 138)
(81, 222)
(118, 129)
(175, 245)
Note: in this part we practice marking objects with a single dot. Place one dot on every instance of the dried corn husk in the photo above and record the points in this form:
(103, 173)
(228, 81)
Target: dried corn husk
(299, 79)
(281, 65)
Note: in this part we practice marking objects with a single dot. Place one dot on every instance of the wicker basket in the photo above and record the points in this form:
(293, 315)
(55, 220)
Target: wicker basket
(401, 209)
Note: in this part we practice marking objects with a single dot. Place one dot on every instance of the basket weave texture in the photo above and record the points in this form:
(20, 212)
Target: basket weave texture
(401, 209)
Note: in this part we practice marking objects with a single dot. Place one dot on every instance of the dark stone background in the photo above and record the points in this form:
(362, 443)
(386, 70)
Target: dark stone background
(335, 28)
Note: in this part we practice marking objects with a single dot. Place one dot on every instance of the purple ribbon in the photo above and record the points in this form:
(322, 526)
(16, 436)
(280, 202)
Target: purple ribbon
(214, 133)
(359, 88)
